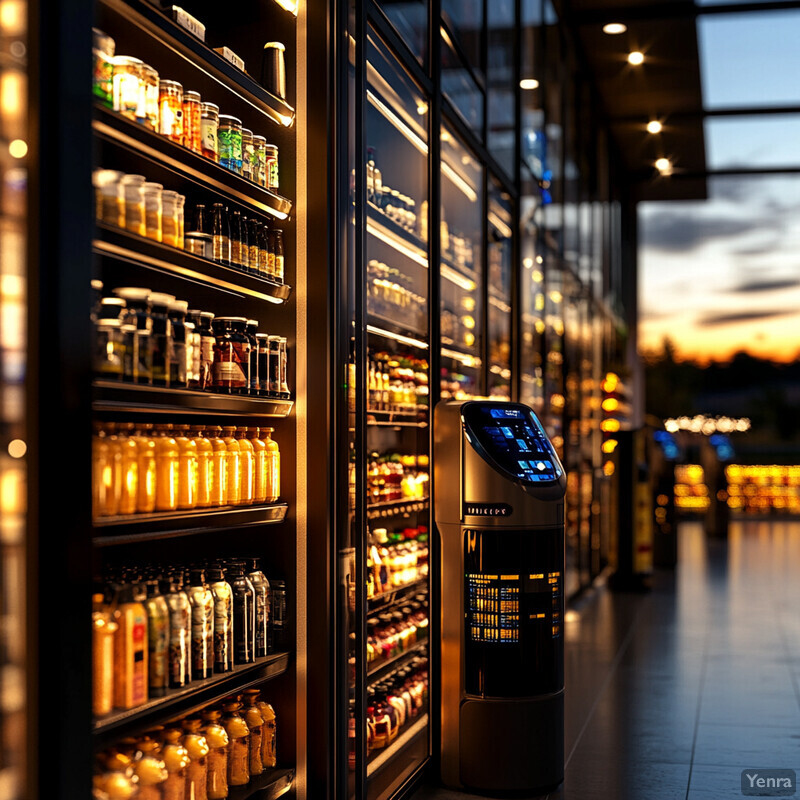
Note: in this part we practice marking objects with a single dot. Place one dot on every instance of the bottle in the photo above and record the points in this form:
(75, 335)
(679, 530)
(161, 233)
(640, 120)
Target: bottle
(197, 747)
(219, 471)
(263, 363)
(207, 341)
(130, 651)
(269, 235)
(221, 233)
(247, 467)
(283, 364)
(146, 468)
(200, 219)
(231, 356)
(223, 620)
(370, 175)
(194, 348)
(218, 741)
(260, 452)
(277, 260)
(377, 180)
(261, 585)
(180, 625)
(273, 461)
(233, 492)
(157, 640)
(150, 770)
(103, 633)
(239, 747)
(161, 337)
(264, 263)
(255, 723)
(243, 614)
(176, 760)
(187, 467)
(254, 244)
(278, 615)
(177, 369)
(268, 737)
(274, 345)
(252, 372)
(106, 474)
(167, 467)
(205, 466)
(202, 604)
(245, 244)
(236, 239)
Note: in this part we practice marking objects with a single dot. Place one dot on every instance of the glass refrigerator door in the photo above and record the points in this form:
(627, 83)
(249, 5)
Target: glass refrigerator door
(498, 250)
(461, 257)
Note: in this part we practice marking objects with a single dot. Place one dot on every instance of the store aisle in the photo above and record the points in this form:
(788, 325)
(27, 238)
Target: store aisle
(672, 694)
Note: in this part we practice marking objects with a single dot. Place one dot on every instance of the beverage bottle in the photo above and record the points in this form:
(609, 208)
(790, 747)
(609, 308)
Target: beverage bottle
(103, 632)
(243, 614)
(277, 619)
(176, 760)
(239, 746)
(130, 650)
(146, 460)
(261, 585)
(269, 734)
(200, 219)
(180, 626)
(106, 474)
(129, 469)
(150, 770)
(233, 489)
(205, 466)
(187, 467)
(260, 453)
(177, 361)
(219, 471)
(161, 343)
(264, 261)
(196, 745)
(236, 240)
(223, 620)
(279, 268)
(245, 245)
(273, 461)
(371, 174)
(255, 722)
(247, 467)
(157, 640)
(218, 741)
(221, 234)
(167, 461)
(254, 244)
(202, 603)
(253, 372)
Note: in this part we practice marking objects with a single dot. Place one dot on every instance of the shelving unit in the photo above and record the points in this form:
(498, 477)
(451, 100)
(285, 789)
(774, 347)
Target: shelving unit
(270, 785)
(396, 508)
(385, 667)
(411, 732)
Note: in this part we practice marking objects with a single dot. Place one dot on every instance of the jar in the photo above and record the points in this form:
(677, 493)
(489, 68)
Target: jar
(170, 226)
(230, 143)
(192, 127)
(170, 110)
(109, 350)
(177, 365)
(103, 48)
(209, 124)
(137, 314)
(263, 363)
(153, 210)
(109, 197)
(133, 190)
(161, 338)
(150, 97)
(231, 355)
(127, 87)
(180, 203)
(274, 385)
(201, 244)
(207, 342)
(248, 154)
(283, 357)
(272, 167)
(260, 166)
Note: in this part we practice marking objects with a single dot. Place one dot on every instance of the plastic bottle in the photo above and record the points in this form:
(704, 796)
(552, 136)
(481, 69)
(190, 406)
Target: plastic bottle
(187, 467)
(218, 741)
(130, 651)
(150, 770)
(223, 620)
(261, 585)
(106, 472)
(269, 735)
(247, 467)
(176, 760)
(243, 614)
(167, 469)
(103, 633)
(146, 458)
(157, 640)
(234, 482)
(260, 454)
(255, 722)
(197, 747)
(180, 621)
(129, 470)
(219, 469)
(239, 747)
(273, 465)
(202, 603)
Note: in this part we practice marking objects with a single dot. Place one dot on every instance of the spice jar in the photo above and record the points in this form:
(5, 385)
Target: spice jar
(127, 87)
(218, 741)
(170, 110)
(161, 338)
(248, 154)
(103, 79)
(231, 355)
(170, 225)
(149, 88)
(239, 747)
(192, 127)
(209, 124)
(260, 165)
(230, 143)
(272, 167)
(109, 353)
(152, 210)
(133, 191)
(109, 198)
(137, 313)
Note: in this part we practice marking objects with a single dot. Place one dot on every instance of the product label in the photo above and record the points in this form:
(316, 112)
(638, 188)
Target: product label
(178, 644)
(279, 268)
(208, 136)
(138, 682)
(170, 118)
(261, 623)
(157, 635)
(228, 369)
(223, 629)
(202, 634)
(230, 149)
(206, 360)
(126, 94)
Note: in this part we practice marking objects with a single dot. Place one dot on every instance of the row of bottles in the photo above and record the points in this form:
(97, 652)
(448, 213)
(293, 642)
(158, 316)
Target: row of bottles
(198, 758)
(143, 468)
(391, 293)
(392, 477)
(164, 627)
(396, 560)
(397, 383)
(398, 207)
(393, 632)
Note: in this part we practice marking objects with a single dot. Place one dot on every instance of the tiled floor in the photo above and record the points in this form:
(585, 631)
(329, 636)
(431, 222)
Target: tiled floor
(672, 694)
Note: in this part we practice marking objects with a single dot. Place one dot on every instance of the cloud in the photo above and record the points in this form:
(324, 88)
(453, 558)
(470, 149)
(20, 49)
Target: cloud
(741, 316)
(766, 286)
(679, 232)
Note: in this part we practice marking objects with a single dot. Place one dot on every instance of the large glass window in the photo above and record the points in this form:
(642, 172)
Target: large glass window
(498, 254)
(410, 19)
(501, 92)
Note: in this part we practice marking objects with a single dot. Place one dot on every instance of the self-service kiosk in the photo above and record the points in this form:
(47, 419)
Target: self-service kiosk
(499, 510)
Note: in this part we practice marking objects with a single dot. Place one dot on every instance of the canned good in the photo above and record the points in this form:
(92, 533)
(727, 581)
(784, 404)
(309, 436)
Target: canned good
(127, 86)
(192, 126)
(248, 154)
(103, 81)
(260, 166)
(150, 99)
(209, 124)
(230, 143)
(201, 244)
(272, 166)
(170, 108)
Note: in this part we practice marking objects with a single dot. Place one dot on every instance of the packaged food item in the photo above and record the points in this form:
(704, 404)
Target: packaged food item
(109, 352)
(231, 355)
(248, 154)
(260, 451)
(187, 467)
(271, 152)
(192, 122)
(238, 240)
(260, 164)
(247, 468)
(133, 191)
(180, 627)
(153, 210)
(177, 364)
(209, 125)
(103, 79)
(170, 223)
(161, 337)
(127, 87)
(137, 313)
(150, 97)
(170, 110)
(230, 143)
(109, 197)
(167, 459)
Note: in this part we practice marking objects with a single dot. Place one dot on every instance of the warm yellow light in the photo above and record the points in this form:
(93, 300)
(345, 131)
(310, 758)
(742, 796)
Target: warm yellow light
(17, 448)
(609, 425)
(610, 404)
(608, 469)
(539, 260)
(422, 108)
(529, 84)
(654, 126)
(635, 58)
(614, 28)
(664, 166)
(18, 148)
(469, 339)
(12, 91)
(537, 276)
(12, 17)
(609, 446)
(527, 263)
(468, 322)
(611, 382)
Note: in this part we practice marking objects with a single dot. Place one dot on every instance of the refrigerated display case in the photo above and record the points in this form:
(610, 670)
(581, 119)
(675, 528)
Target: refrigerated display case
(499, 257)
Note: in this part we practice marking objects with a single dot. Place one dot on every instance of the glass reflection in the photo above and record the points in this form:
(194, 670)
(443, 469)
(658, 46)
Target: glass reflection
(410, 20)
(464, 21)
(501, 92)
(459, 86)
(498, 252)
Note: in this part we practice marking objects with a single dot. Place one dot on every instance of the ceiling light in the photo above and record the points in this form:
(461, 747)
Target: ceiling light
(613, 28)
(664, 166)
(636, 57)
(654, 126)
(529, 83)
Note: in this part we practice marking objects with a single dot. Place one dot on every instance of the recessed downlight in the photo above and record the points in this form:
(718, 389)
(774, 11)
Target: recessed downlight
(614, 28)
(664, 166)
(635, 57)
(654, 126)
(529, 83)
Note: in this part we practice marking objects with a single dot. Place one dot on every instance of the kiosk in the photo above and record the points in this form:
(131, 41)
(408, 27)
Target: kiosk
(499, 511)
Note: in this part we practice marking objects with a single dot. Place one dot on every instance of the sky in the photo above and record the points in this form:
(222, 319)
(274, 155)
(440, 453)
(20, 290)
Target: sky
(723, 275)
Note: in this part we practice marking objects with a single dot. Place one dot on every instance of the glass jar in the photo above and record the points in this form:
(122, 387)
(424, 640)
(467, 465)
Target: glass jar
(137, 314)
(200, 244)
(109, 350)
(248, 154)
(177, 366)
(133, 191)
(273, 458)
(263, 363)
(231, 355)
(103, 48)
(230, 143)
(260, 165)
(272, 167)
(112, 308)
(170, 110)
(153, 210)
(170, 225)
(180, 204)
(150, 97)
(127, 86)
(274, 386)
(209, 125)
(109, 197)
(192, 127)
(161, 338)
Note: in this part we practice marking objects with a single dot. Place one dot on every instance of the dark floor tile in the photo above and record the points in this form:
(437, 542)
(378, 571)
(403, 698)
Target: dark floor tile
(620, 780)
(745, 746)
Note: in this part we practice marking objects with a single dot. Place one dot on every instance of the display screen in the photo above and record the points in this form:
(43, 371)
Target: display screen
(514, 439)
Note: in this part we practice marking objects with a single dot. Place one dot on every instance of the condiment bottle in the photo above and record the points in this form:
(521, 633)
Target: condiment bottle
(157, 640)
(103, 631)
(205, 466)
(161, 337)
(197, 747)
(150, 770)
(255, 722)
(114, 784)
(176, 760)
(246, 467)
(187, 467)
(273, 465)
(231, 356)
(130, 651)
(260, 452)
(239, 747)
(180, 626)
(146, 458)
(129, 470)
(269, 735)
(234, 483)
(167, 469)
(219, 472)
(218, 741)
(243, 614)
(202, 603)
(261, 585)
(223, 620)
(252, 371)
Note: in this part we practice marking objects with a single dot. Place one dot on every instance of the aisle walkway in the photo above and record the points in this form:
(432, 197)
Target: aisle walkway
(673, 694)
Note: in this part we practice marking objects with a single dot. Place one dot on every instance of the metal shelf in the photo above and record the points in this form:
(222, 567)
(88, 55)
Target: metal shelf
(382, 757)
(124, 246)
(396, 508)
(379, 671)
(397, 417)
(271, 784)
(379, 602)
(182, 701)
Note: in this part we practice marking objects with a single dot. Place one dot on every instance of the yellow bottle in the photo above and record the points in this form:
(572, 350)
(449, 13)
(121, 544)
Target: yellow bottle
(234, 483)
(176, 760)
(260, 451)
(130, 651)
(254, 720)
(239, 747)
(167, 459)
(187, 467)
(273, 465)
(150, 769)
(103, 630)
(106, 466)
(116, 780)
(247, 467)
(218, 741)
(146, 455)
(219, 471)
(197, 746)
(269, 747)
(129, 470)
(205, 466)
